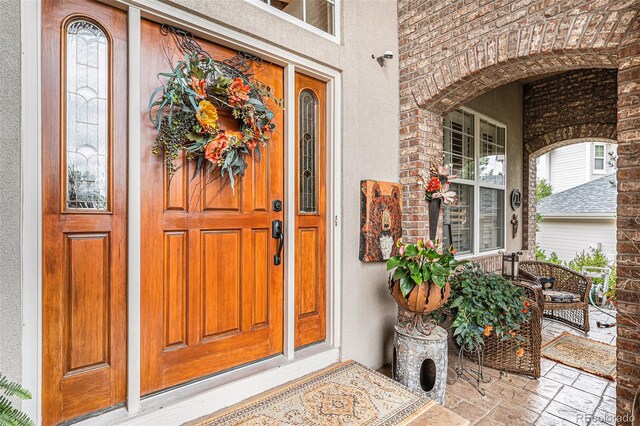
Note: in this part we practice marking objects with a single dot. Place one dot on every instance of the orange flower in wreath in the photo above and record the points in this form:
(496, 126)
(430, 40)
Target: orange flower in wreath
(237, 92)
(207, 115)
(200, 87)
(214, 149)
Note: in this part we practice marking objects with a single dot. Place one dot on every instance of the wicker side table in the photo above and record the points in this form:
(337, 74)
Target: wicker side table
(420, 361)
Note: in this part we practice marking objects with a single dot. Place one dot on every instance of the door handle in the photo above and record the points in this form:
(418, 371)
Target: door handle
(277, 232)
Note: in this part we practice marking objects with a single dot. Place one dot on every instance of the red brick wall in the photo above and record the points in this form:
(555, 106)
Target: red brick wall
(451, 51)
(560, 110)
(628, 287)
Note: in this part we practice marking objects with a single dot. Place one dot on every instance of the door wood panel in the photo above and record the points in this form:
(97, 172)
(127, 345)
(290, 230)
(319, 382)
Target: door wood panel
(84, 250)
(310, 227)
(211, 297)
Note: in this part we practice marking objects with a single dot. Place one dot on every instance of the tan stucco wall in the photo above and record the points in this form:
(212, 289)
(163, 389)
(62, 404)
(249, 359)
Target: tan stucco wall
(10, 191)
(504, 104)
(370, 105)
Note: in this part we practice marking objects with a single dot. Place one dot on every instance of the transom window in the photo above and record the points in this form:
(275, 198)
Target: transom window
(598, 157)
(475, 150)
(319, 13)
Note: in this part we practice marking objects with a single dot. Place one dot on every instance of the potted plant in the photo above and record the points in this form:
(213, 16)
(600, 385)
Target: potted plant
(420, 281)
(483, 305)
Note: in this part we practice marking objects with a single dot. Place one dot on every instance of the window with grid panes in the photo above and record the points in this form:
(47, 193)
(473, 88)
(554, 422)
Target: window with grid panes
(475, 150)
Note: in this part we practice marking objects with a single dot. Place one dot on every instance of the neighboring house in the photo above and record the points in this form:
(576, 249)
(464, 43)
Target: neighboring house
(573, 165)
(580, 218)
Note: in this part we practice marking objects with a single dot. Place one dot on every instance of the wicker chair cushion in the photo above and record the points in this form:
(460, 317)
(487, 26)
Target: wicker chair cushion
(546, 282)
(560, 296)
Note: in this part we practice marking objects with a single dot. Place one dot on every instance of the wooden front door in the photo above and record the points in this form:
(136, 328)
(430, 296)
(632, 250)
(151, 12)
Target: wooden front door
(311, 211)
(84, 203)
(212, 298)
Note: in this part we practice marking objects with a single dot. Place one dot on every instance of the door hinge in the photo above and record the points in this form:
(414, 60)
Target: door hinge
(335, 220)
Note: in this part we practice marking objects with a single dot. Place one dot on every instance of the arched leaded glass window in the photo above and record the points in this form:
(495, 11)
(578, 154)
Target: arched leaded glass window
(308, 134)
(87, 116)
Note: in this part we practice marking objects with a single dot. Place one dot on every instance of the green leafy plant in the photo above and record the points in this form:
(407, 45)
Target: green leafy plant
(420, 263)
(541, 256)
(10, 416)
(596, 258)
(543, 189)
(482, 304)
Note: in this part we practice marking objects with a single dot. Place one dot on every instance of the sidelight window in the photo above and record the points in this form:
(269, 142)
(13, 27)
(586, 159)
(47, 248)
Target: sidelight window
(308, 151)
(87, 116)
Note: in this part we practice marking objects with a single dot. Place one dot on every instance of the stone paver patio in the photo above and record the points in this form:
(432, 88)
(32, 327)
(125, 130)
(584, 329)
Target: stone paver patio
(561, 396)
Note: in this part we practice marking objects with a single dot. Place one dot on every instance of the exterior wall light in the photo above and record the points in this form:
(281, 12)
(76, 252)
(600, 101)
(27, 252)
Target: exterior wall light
(388, 55)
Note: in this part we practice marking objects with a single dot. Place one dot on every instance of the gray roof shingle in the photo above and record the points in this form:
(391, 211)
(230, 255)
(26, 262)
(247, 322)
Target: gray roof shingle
(597, 196)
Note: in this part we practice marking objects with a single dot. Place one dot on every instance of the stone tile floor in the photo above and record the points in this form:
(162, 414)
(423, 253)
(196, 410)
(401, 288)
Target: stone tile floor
(562, 396)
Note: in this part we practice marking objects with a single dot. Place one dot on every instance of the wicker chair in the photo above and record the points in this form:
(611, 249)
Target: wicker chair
(569, 301)
(501, 355)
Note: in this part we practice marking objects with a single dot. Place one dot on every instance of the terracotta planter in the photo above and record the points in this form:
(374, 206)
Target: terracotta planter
(425, 298)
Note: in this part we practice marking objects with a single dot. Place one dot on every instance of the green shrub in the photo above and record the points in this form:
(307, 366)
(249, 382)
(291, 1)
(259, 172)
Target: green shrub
(8, 414)
(482, 304)
(541, 256)
(596, 258)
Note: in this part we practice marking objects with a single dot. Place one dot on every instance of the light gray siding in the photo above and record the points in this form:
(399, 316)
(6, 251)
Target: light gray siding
(568, 167)
(567, 237)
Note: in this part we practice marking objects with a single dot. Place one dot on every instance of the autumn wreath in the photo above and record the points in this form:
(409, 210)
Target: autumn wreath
(185, 111)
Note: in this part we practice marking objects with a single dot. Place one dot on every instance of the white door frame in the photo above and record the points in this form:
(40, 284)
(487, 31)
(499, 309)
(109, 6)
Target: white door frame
(293, 363)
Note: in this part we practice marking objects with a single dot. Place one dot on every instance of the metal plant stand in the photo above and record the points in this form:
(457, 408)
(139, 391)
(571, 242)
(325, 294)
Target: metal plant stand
(469, 374)
(420, 360)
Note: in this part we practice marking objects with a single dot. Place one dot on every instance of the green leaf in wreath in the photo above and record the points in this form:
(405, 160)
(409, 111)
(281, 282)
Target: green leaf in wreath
(194, 137)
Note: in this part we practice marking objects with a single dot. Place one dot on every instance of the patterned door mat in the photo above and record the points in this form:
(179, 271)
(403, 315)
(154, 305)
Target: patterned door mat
(342, 394)
(582, 353)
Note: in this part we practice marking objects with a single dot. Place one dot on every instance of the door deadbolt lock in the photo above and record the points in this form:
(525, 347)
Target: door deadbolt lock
(277, 206)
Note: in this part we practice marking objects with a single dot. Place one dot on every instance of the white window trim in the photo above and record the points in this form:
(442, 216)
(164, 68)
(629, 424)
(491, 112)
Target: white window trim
(475, 252)
(335, 37)
(592, 153)
(293, 363)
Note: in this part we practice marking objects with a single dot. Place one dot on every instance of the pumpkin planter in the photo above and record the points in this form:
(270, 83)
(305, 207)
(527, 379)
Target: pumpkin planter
(423, 299)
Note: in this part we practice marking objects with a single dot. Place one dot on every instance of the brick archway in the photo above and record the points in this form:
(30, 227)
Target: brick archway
(451, 52)
(563, 109)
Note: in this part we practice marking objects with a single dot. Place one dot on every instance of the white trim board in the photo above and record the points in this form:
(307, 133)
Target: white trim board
(30, 29)
(306, 360)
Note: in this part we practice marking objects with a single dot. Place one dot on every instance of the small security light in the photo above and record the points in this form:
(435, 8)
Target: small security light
(388, 55)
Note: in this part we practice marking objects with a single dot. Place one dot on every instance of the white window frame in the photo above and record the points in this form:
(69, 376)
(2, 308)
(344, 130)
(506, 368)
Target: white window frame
(475, 225)
(335, 37)
(603, 170)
